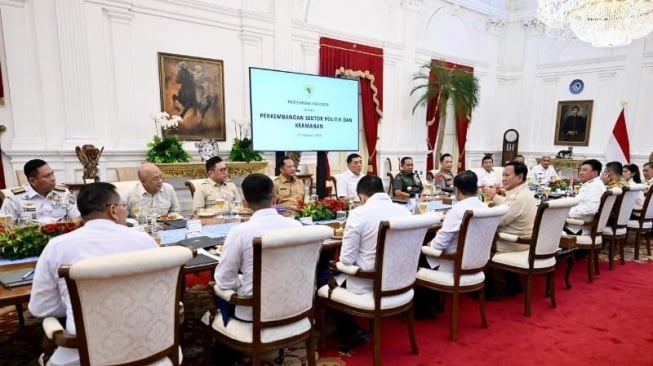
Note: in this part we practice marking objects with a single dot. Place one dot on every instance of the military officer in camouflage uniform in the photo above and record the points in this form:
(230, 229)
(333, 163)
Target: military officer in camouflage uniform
(406, 184)
(41, 199)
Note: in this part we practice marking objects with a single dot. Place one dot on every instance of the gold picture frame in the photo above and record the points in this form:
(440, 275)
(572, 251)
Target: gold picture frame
(573, 122)
(193, 88)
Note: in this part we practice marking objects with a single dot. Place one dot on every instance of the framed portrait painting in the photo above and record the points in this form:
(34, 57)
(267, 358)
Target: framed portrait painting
(193, 88)
(573, 122)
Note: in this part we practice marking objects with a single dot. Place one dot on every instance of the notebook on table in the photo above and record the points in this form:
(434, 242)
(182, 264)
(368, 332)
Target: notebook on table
(11, 279)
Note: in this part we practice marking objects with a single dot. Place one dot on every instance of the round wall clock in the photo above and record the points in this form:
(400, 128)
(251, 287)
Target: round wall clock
(208, 148)
(576, 86)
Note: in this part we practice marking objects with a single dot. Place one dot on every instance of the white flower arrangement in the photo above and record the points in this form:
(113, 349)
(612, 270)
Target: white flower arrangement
(163, 121)
(242, 127)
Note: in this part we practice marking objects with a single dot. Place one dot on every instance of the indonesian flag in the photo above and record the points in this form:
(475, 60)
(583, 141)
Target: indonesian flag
(618, 148)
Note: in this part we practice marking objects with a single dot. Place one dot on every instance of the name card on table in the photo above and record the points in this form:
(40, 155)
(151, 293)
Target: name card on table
(193, 228)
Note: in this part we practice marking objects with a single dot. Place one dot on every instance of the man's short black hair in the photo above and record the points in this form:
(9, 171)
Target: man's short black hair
(487, 157)
(444, 156)
(258, 189)
(403, 160)
(576, 107)
(351, 157)
(595, 164)
(520, 156)
(31, 167)
(282, 161)
(466, 183)
(520, 169)
(369, 185)
(648, 164)
(95, 196)
(212, 161)
(615, 167)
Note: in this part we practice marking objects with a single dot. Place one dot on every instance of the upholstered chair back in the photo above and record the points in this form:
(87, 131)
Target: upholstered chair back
(288, 261)
(477, 234)
(399, 245)
(549, 222)
(628, 199)
(609, 199)
(126, 306)
(648, 205)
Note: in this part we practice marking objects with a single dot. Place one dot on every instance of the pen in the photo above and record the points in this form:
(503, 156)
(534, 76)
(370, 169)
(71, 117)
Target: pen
(28, 274)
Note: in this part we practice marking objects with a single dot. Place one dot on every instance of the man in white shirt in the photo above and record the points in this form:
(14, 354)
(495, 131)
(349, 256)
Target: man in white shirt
(589, 196)
(359, 248)
(103, 233)
(237, 255)
(487, 177)
(465, 188)
(543, 173)
(647, 173)
(347, 181)
(151, 193)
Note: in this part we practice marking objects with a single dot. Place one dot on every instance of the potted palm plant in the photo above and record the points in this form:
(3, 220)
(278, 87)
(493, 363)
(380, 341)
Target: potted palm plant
(443, 83)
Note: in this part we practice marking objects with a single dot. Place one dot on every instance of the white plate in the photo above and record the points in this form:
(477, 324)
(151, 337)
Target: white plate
(131, 222)
(205, 212)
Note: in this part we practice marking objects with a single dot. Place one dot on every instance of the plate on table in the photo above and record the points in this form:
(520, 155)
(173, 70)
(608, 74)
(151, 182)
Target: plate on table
(168, 217)
(556, 194)
(206, 212)
(245, 211)
(131, 222)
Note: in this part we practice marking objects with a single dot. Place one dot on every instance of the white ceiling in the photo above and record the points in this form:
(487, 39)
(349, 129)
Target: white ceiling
(508, 10)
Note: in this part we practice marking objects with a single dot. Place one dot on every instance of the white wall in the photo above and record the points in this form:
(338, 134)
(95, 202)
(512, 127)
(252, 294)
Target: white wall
(79, 72)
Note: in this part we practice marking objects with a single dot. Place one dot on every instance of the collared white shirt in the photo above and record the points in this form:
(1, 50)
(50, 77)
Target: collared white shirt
(489, 179)
(238, 256)
(162, 202)
(49, 296)
(446, 238)
(346, 183)
(589, 197)
(360, 235)
(57, 205)
(540, 175)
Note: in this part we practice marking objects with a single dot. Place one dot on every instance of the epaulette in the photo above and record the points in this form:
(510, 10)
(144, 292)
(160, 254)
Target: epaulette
(18, 190)
(60, 188)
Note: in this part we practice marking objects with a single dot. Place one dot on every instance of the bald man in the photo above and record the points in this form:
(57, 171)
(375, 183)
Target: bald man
(152, 193)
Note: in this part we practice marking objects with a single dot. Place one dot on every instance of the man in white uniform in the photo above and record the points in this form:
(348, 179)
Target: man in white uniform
(151, 193)
(543, 173)
(589, 196)
(348, 180)
(41, 199)
(103, 233)
(487, 177)
(359, 248)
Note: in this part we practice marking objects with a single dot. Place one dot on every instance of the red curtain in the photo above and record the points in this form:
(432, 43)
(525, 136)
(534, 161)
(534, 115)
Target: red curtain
(433, 121)
(346, 58)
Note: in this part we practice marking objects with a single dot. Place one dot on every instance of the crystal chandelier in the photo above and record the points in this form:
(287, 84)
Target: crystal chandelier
(603, 23)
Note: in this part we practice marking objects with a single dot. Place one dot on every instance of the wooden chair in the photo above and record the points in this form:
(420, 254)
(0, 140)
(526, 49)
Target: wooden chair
(334, 186)
(397, 255)
(124, 187)
(616, 233)
(477, 232)
(643, 226)
(544, 243)
(593, 241)
(126, 307)
(282, 300)
(192, 183)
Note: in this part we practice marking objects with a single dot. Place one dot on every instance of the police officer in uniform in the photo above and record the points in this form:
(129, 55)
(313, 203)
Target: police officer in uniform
(287, 187)
(406, 184)
(41, 199)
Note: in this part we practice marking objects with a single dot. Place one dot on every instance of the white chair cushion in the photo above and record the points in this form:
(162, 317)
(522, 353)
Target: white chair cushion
(587, 240)
(608, 231)
(242, 331)
(634, 224)
(520, 260)
(364, 301)
(444, 278)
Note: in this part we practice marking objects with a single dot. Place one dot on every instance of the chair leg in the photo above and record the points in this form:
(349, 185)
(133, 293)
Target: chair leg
(590, 266)
(481, 304)
(610, 254)
(256, 357)
(377, 340)
(411, 330)
(453, 325)
(552, 288)
(622, 244)
(529, 295)
(323, 331)
(281, 356)
(637, 238)
(310, 350)
(596, 262)
(648, 243)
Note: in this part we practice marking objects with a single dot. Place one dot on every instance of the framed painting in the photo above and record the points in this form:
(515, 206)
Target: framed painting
(573, 122)
(193, 88)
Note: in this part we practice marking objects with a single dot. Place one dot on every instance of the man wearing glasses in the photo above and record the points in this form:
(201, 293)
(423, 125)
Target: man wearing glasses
(152, 193)
(104, 232)
(215, 186)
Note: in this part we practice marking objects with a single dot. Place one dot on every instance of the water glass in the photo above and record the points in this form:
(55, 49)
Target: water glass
(341, 217)
(423, 207)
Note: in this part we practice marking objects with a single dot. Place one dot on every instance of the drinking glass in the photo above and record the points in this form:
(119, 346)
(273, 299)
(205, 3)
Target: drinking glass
(423, 207)
(341, 217)
(220, 204)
